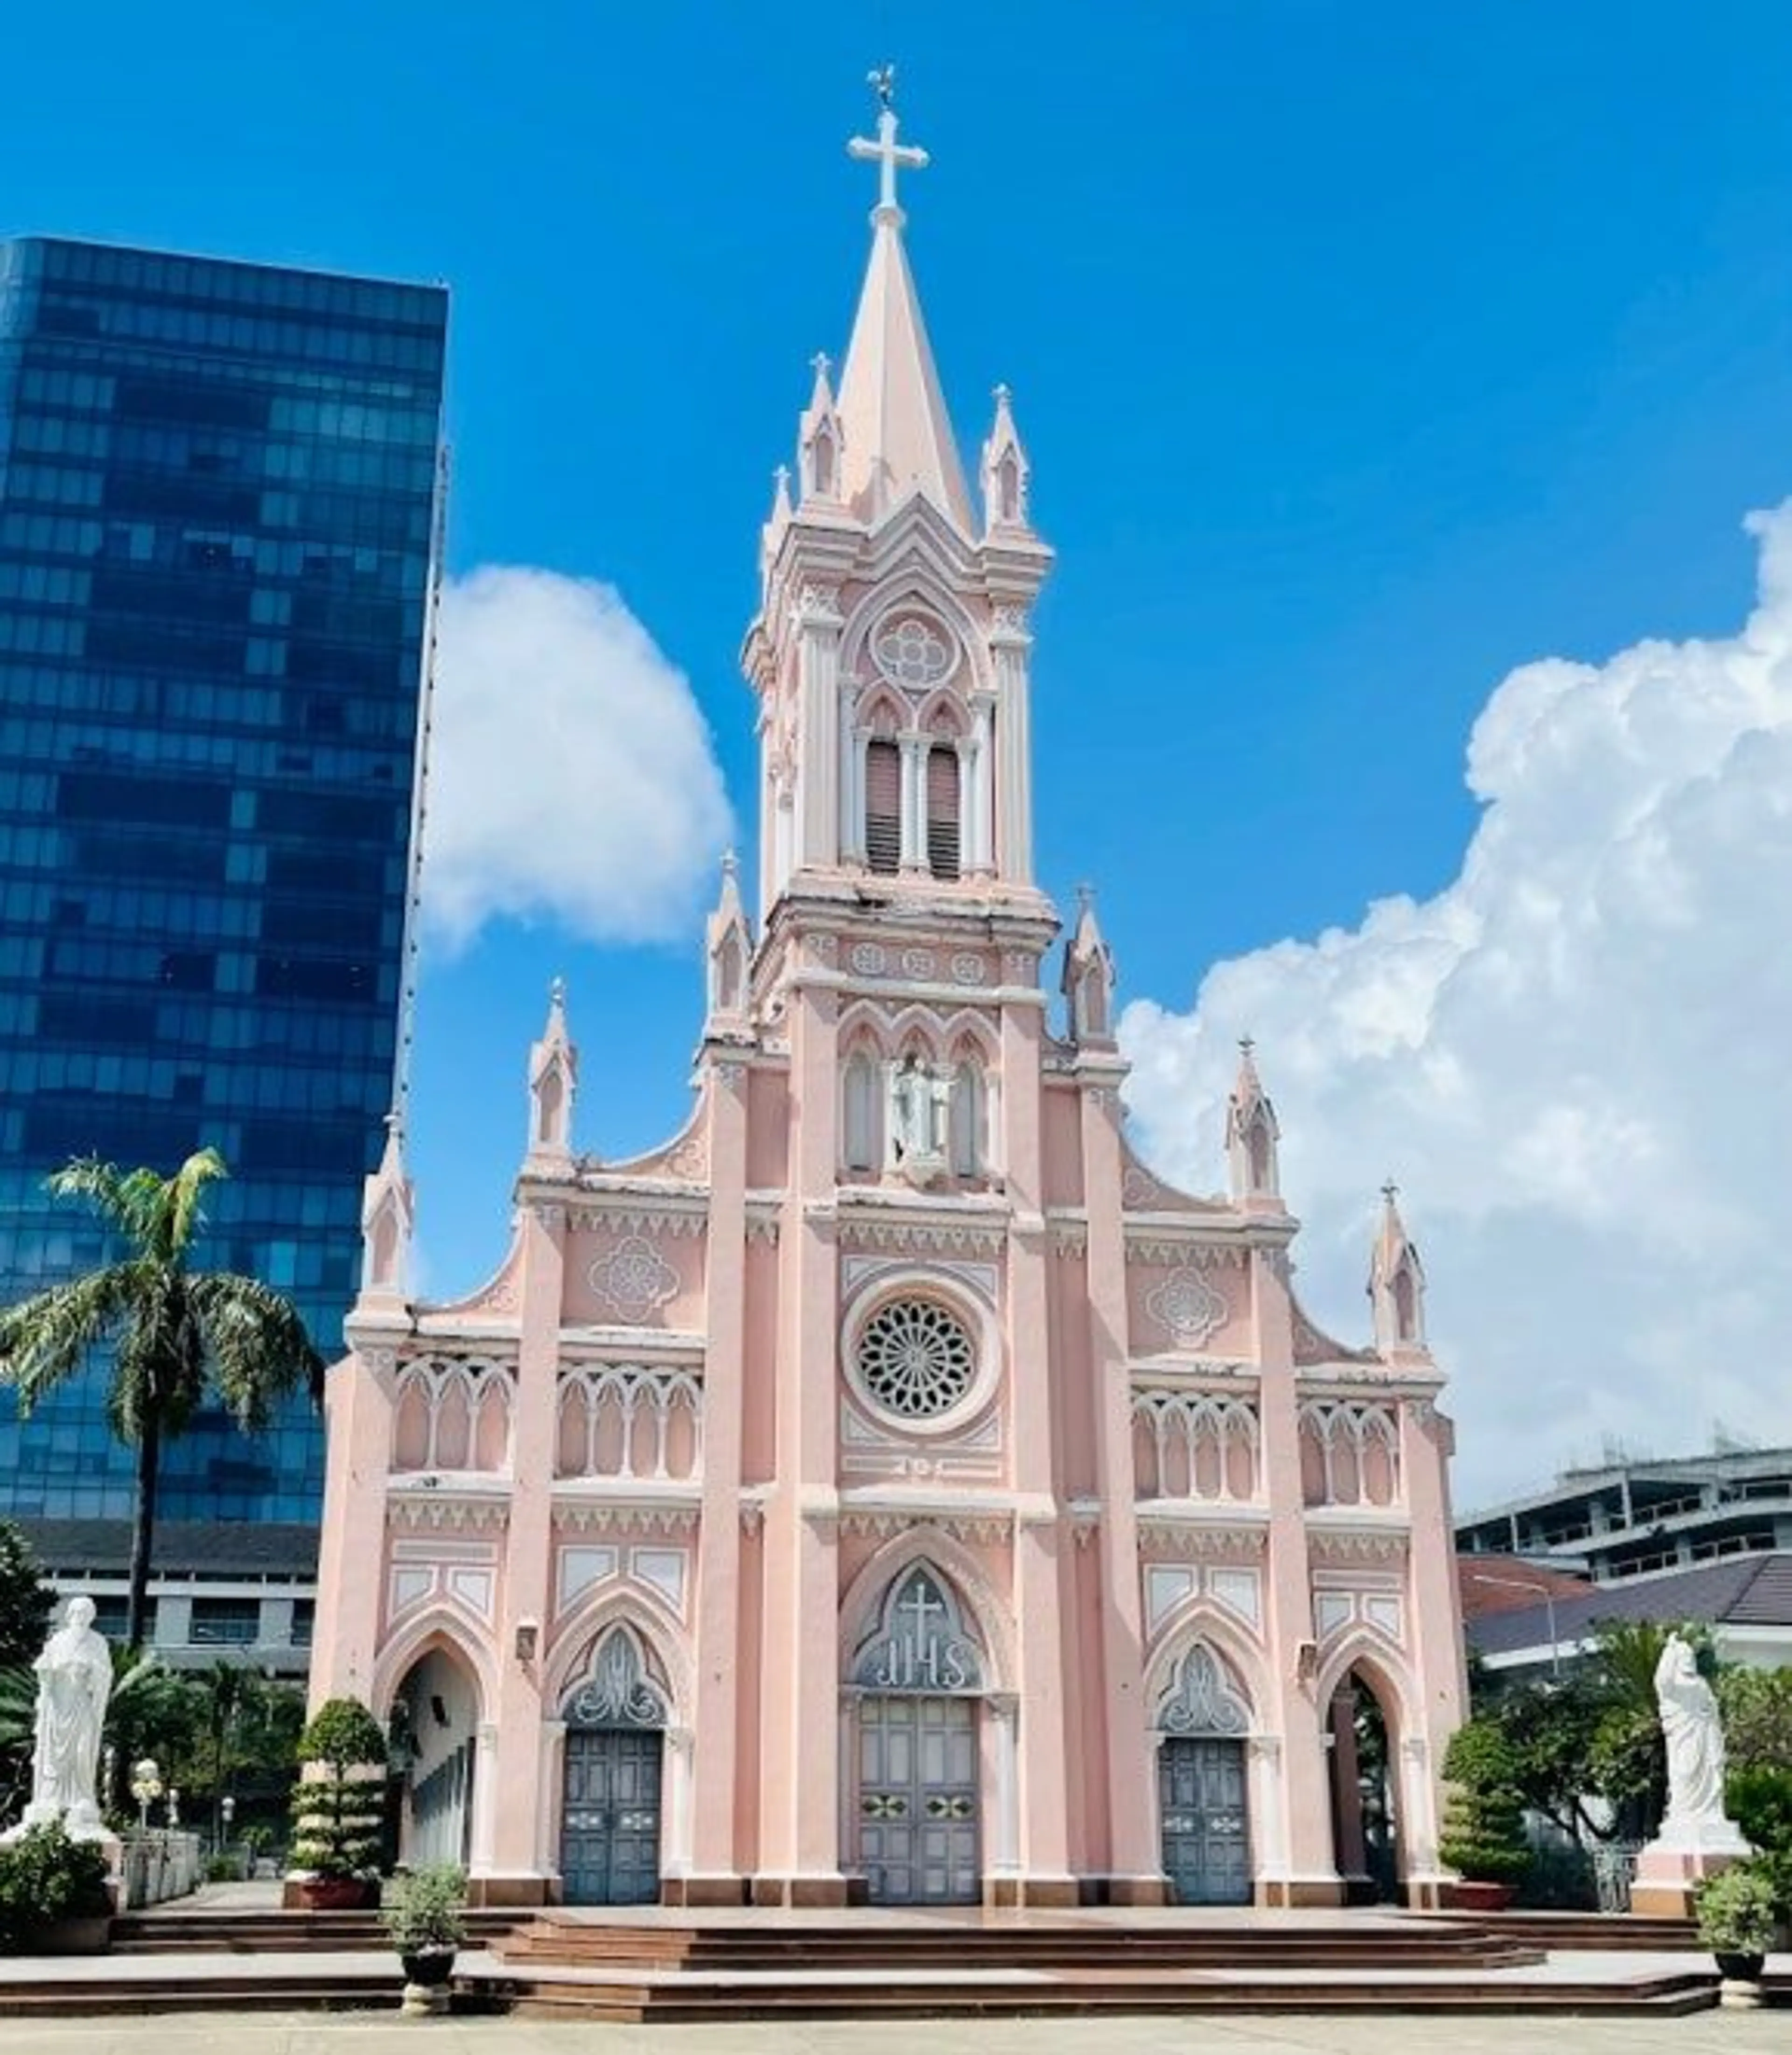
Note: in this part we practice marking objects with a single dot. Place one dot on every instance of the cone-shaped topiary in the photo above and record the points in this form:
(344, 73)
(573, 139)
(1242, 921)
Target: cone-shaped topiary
(1484, 1834)
(338, 1805)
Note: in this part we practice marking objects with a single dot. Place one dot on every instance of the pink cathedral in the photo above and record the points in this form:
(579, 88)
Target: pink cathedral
(891, 1490)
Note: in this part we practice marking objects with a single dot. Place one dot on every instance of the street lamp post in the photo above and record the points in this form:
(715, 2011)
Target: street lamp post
(1549, 1597)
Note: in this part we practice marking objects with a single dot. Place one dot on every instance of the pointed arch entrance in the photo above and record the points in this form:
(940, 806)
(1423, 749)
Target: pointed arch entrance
(434, 1721)
(1361, 1739)
(616, 1713)
(1203, 1720)
(917, 1678)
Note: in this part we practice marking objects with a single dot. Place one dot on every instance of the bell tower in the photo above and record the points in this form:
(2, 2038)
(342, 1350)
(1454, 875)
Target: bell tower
(890, 652)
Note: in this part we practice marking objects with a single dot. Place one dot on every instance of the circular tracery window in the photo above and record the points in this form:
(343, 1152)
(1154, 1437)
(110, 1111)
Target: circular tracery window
(916, 1360)
(913, 651)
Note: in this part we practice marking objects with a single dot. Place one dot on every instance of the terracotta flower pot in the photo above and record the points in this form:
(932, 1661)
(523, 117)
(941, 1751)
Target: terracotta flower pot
(1473, 1895)
(335, 1894)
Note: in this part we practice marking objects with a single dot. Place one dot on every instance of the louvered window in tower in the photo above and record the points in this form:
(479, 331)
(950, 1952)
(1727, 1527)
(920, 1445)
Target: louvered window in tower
(942, 812)
(882, 806)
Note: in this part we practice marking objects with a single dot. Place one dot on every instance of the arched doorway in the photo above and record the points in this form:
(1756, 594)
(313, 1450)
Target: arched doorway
(1203, 1806)
(918, 1677)
(434, 1723)
(616, 1715)
(1359, 1742)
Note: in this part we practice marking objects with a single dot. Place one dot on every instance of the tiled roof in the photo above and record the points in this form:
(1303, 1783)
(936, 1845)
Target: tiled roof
(1753, 1590)
(254, 1547)
(1491, 1582)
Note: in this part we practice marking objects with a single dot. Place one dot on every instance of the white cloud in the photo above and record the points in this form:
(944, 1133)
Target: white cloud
(571, 776)
(1575, 1058)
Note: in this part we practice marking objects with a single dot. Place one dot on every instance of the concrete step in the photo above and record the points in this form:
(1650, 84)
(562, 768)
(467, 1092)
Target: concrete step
(821, 1997)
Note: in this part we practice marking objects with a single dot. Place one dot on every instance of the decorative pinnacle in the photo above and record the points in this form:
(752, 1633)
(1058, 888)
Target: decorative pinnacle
(1390, 1191)
(556, 995)
(881, 79)
(1085, 897)
(1001, 395)
(731, 864)
(1246, 1047)
(821, 364)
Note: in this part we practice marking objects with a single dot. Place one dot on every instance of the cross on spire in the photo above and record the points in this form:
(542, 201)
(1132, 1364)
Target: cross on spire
(886, 152)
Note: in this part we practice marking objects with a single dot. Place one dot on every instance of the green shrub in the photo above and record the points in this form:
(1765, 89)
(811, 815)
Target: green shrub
(45, 1877)
(1736, 1912)
(425, 1908)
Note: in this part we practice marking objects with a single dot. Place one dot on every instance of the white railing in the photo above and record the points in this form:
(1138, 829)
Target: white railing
(158, 1863)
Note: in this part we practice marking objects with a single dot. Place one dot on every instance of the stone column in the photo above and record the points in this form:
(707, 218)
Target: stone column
(1135, 1857)
(1433, 1633)
(1009, 644)
(978, 832)
(800, 1834)
(714, 1866)
(525, 1857)
(818, 625)
(352, 1545)
(914, 801)
(1306, 1823)
(1042, 1851)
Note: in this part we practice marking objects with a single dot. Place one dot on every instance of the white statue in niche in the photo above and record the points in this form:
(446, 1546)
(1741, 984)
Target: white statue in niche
(74, 1682)
(1693, 1734)
(920, 1114)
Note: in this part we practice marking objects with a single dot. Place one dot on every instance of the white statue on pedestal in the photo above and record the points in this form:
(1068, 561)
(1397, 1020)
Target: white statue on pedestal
(1694, 1733)
(74, 1681)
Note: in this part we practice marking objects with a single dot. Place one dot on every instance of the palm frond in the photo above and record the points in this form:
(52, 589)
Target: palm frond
(45, 1339)
(101, 1184)
(18, 1705)
(186, 1189)
(256, 1344)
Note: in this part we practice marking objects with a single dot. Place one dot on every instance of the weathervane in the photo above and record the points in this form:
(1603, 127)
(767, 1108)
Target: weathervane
(886, 152)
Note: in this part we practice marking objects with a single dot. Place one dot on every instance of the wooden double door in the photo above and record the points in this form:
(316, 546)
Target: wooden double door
(609, 1819)
(918, 1800)
(1201, 1806)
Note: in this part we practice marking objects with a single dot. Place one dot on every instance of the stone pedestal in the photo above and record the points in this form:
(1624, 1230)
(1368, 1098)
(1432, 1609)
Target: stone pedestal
(1680, 1857)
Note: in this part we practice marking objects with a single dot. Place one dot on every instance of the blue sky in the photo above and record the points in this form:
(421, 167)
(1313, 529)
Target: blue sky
(1363, 354)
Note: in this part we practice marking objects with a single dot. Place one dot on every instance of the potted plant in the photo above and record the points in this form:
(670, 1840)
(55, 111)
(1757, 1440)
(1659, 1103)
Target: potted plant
(424, 1914)
(1484, 1834)
(1738, 1913)
(337, 1806)
(55, 1896)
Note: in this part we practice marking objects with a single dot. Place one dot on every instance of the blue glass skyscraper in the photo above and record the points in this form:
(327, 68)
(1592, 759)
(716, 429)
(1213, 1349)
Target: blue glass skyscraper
(219, 488)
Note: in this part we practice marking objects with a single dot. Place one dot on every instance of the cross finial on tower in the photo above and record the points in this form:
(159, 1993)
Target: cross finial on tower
(1390, 1191)
(886, 152)
(821, 364)
(1246, 1047)
(1085, 897)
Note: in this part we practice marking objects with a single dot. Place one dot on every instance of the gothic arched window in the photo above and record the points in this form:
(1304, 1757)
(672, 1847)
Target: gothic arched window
(861, 1146)
(969, 1100)
(883, 805)
(942, 811)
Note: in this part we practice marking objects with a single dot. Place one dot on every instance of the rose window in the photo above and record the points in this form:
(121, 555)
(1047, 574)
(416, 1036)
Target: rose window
(912, 651)
(916, 1360)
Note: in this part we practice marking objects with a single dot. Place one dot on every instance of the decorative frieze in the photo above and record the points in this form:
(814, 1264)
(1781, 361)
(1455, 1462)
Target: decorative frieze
(1159, 1536)
(884, 1524)
(1177, 1252)
(416, 1509)
(1356, 1544)
(921, 1237)
(614, 1516)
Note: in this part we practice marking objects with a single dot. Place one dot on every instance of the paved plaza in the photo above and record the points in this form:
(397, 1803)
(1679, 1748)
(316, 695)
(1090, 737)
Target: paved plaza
(1701, 2033)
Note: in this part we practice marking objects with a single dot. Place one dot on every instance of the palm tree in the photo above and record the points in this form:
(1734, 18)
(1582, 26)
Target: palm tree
(177, 1332)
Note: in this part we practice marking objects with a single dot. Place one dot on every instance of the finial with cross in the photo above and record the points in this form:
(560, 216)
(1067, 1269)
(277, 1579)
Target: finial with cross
(1390, 1191)
(1246, 1047)
(886, 152)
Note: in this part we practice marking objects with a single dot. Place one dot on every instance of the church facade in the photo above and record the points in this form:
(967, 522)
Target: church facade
(890, 1489)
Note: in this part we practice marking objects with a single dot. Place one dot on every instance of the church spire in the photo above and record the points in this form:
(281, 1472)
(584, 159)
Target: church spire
(898, 435)
(388, 1218)
(1089, 978)
(1004, 473)
(553, 1072)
